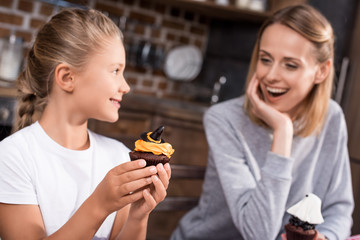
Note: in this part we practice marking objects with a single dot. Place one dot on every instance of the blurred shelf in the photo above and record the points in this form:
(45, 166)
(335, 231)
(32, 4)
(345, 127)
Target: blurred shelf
(8, 91)
(211, 9)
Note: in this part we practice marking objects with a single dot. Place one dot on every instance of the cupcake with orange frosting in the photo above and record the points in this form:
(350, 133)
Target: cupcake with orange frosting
(152, 148)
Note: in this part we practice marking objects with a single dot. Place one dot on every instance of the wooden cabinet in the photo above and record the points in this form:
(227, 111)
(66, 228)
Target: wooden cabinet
(187, 138)
(185, 132)
(351, 108)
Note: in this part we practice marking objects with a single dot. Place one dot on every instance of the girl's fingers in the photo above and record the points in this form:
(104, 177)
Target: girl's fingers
(131, 197)
(133, 186)
(136, 174)
(168, 170)
(160, 190)
(163, 175)
(129, 166)
(149, 199)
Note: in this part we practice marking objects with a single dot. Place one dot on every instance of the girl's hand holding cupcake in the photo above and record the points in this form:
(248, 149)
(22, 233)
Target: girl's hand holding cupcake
(121, 185)
(153, 194)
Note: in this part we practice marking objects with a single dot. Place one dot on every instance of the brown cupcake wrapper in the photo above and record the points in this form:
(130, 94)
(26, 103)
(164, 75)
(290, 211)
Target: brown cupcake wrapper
(292, 235)
(155, 162)
(148, 159)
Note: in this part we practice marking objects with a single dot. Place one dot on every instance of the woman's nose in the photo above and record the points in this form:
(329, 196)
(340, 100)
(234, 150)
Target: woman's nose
(273, 73)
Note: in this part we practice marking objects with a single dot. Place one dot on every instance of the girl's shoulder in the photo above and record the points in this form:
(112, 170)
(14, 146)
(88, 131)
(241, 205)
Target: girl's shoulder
(17, 140)
(15, 148)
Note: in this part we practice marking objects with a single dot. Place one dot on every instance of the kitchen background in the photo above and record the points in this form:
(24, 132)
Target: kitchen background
(183, 56)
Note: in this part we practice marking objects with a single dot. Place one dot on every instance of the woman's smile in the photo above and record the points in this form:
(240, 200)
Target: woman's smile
(276, 92)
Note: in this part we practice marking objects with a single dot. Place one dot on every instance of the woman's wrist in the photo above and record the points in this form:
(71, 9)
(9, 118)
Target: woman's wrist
(282, 139)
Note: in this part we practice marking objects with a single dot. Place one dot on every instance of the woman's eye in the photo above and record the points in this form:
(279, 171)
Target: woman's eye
(265, 60)
(291, 66)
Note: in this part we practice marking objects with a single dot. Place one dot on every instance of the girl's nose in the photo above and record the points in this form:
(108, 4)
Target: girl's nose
(124, 86)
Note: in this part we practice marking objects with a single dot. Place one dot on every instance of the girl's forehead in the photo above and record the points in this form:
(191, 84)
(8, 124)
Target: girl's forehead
(109, 52)
(109, 46)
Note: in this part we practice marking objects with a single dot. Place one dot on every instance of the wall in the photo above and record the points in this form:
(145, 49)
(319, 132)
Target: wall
(229, 52)
(163, 26)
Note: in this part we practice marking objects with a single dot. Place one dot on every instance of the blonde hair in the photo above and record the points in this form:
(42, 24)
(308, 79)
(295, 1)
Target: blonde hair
(313, 26)
(71, 36)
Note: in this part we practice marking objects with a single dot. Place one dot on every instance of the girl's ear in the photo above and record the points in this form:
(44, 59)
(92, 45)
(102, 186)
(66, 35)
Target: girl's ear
(64, 77)
(323, 71)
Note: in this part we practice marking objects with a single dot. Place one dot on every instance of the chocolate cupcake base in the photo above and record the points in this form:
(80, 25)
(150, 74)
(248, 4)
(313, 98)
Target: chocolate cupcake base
(297, 233)
(150, 158)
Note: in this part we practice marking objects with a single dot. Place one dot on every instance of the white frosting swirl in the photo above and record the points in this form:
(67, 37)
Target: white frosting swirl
(308, 209)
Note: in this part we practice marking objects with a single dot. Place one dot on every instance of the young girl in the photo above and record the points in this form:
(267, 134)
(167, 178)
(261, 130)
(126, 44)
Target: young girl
(58, 179)
(284, 139)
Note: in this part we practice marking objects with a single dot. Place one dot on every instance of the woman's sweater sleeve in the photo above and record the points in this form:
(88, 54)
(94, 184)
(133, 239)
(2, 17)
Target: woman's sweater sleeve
(338, 204)
(255, 197)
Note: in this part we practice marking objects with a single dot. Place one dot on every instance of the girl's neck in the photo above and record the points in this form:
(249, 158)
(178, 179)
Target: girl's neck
(64, 130)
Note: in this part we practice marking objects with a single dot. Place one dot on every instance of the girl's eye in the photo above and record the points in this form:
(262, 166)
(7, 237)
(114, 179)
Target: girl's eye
(116, 71)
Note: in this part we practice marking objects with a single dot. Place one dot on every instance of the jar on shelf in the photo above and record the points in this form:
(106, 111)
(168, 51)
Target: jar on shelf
(11, 56)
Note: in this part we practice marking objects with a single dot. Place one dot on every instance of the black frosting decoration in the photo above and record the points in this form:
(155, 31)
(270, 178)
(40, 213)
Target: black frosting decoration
(154, 136)
(299, 223)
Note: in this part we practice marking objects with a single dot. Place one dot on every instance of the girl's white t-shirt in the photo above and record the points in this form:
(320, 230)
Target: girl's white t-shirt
(34, 169)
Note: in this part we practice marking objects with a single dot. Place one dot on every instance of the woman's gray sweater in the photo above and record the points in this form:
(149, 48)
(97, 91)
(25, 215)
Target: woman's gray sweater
(248, 189)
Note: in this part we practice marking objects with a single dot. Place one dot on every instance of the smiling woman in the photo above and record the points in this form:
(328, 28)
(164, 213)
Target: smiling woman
(296, 52)
(284, 139)
(281, 63)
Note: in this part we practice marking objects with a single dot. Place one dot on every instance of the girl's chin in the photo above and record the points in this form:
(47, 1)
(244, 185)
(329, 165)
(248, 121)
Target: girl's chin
(110, 119)
(114, 119)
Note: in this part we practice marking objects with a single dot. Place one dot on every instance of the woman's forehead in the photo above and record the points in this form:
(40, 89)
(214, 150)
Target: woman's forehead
(280, 40)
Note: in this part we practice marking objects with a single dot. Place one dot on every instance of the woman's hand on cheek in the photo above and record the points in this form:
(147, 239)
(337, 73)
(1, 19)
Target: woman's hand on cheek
(121, 185)
(153, 194)
(271, 116)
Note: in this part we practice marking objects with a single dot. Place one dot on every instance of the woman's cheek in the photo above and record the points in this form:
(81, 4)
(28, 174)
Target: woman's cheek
(260, 72)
